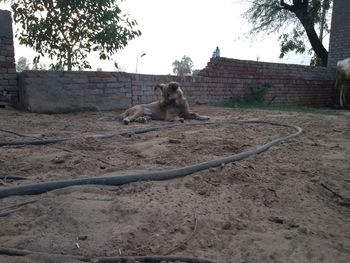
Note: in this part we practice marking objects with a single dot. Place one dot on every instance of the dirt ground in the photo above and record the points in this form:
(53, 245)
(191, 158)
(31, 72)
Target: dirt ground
(289, 204)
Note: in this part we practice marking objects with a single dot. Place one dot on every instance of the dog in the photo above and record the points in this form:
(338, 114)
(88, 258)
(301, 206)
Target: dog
(172, 106)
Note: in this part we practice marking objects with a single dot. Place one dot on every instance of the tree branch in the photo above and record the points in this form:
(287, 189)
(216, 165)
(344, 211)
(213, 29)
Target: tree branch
(305, 3)
(286, 6)
(60, 29)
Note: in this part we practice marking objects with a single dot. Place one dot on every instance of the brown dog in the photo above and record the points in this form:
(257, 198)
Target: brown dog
(173, 106)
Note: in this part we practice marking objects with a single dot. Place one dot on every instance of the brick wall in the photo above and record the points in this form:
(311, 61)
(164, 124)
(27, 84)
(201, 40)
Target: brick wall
(64, 91)
(223, 78)
(339, 45)
(8, 76)
(290, 84)
(142, 87)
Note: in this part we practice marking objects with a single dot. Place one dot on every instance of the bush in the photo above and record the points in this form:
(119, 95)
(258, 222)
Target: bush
(258, 92)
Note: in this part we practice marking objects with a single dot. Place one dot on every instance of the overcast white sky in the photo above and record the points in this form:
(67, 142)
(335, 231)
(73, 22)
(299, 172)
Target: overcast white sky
(173, 28)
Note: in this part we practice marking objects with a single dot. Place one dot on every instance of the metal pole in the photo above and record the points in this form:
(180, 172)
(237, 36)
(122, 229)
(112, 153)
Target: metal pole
(137, 60)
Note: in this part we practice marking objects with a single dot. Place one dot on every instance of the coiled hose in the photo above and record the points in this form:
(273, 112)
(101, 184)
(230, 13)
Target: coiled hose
(39, 188)
(105, 136)
(118, 259)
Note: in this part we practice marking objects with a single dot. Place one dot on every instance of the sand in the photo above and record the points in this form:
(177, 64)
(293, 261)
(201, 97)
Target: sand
(289, 204)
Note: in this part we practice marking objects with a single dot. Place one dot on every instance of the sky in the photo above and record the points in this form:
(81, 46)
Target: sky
(174, 28)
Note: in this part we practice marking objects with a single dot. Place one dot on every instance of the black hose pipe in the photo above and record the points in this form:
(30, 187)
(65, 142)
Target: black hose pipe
(121, 259)
(10, 177)
(23, 252)
(117, 133)
(31, 142)
(152, 259)
(40, 188)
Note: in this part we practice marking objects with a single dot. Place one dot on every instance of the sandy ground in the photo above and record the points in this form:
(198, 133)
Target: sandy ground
(289, 204)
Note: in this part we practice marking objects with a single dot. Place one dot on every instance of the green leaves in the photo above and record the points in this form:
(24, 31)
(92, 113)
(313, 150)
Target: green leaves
(267, 16)
(258, 92)
(297, 20)
(182, 67)
(294, 41)
(67, 30)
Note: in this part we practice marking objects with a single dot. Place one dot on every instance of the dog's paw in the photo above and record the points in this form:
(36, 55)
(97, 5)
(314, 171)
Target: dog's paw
(126, 121)
(142, 120)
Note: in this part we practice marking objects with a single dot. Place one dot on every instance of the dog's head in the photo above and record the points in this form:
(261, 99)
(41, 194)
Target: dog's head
(172, 93)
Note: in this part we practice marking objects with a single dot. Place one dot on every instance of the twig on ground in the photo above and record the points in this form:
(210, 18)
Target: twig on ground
(95, 199)
(121, 259)
(4, 214)
(212, 183)
(61, 148)
(102, 161)
(3, 182)
(187, 239)
(83, 155)
(8, 177)
(15, 133)
(23, 252)
(13, 208)
(341, 200)
(332, 191)
(152, 259)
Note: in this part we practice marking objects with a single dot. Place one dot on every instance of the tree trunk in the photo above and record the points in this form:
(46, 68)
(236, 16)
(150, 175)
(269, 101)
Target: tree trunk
(316, 43)
(300, 9)
(69, 59)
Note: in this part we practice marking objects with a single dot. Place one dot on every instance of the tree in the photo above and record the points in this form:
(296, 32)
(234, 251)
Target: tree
(182, 67)
(39, 66)
(196, 72)
(22, 64)
(306, 15)
(67, 30)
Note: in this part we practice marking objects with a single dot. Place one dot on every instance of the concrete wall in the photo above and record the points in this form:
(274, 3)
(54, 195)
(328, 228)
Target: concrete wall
(8, 77)
(223, 78)
(339, 46)
(63, 91)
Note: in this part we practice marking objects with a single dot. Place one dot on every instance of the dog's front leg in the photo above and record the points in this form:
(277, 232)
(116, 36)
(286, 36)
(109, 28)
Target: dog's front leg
(195, 116)
(173, 117)
(133, 115)
(189, 115)
(178, 119)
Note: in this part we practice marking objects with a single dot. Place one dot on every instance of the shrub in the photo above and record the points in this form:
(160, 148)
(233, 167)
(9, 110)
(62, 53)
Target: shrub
(258, 92)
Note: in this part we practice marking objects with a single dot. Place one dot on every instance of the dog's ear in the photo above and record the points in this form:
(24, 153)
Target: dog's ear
(159, 86)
